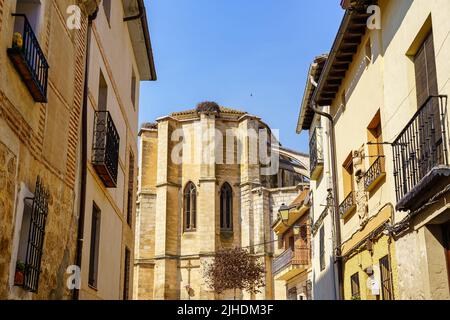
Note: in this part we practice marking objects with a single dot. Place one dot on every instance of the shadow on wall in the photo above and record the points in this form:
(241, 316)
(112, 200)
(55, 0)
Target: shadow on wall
(391, 25)
(324, 284)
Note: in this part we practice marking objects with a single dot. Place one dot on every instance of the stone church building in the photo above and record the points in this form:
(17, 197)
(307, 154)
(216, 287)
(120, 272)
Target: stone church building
(189, 208)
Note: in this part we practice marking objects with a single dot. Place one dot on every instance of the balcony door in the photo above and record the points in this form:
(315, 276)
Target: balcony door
(32, 9)
(429, 128)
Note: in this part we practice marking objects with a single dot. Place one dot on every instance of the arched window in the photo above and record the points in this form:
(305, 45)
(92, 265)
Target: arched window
(190, 207)
(226, 207)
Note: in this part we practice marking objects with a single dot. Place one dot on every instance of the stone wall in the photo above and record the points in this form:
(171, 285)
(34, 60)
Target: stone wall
(41, 140)
(8, 166)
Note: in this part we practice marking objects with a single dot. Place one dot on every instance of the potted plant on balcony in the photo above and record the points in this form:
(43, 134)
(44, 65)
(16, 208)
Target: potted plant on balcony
(19, 276)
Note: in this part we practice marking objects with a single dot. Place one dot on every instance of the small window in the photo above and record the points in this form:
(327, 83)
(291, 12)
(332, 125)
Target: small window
(375, 138)
(190, 207)
(126, 276)
(107, 7)
(95, 242)
(356, 291)
(226, 208)
(133, 89)
(347, 170)
(102, 93)
(322, 248)
(386, 278)
(291, 243)
(280, 242)
(292, 294)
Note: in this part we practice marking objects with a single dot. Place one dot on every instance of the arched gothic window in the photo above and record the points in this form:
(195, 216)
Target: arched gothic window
(190, 207)
(226, 207)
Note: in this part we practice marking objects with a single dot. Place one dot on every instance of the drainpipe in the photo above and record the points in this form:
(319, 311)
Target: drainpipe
(80, 236)
(336, 218)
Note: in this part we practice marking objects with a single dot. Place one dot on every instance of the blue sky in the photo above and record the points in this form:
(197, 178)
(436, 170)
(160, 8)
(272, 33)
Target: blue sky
(251, 55)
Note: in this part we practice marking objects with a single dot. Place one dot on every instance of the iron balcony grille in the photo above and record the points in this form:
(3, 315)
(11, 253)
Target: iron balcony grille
(420, 147)
(316, 153)
(300, 256)
(374, 174)
(347, 205)
(28, 58)
(36, 235)
(105, 153)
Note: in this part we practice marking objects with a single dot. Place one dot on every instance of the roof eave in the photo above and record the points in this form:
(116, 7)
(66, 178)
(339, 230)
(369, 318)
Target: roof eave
(140, 40)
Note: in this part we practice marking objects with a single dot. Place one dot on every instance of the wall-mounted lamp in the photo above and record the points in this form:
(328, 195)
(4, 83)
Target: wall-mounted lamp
(283, 213)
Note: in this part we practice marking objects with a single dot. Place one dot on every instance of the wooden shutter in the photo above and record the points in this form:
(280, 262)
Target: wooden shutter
(386, 279)
(425, 69)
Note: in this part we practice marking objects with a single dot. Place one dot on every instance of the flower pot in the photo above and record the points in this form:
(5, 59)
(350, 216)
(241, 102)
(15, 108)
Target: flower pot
(19, 278)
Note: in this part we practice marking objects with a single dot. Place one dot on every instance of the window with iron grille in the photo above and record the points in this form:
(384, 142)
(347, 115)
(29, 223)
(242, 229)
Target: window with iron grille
(356, 291)
(95, 242)
(322, 248)
(32, 238)
(130, 200)
(126, 277)
(292, 294)
(386, 278)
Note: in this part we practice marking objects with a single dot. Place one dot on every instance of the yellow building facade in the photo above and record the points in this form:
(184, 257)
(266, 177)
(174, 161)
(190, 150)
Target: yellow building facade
(383, 90)
(292, 262)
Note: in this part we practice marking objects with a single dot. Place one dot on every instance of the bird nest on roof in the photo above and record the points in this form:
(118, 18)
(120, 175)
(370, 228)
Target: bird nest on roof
(149, 125)
(208, 106)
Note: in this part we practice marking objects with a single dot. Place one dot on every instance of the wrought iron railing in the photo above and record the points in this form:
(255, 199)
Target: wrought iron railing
(348, 204)
(374, 173)
(421, 146)
(29, 58)
(315, 150)
(105, 149)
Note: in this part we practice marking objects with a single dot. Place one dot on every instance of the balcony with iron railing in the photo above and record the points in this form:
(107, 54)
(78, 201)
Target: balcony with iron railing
(316, 153)
(375, 174)
(421, 160)
(348, 205)
(292, 262)
(28, 58)
(105, 149)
